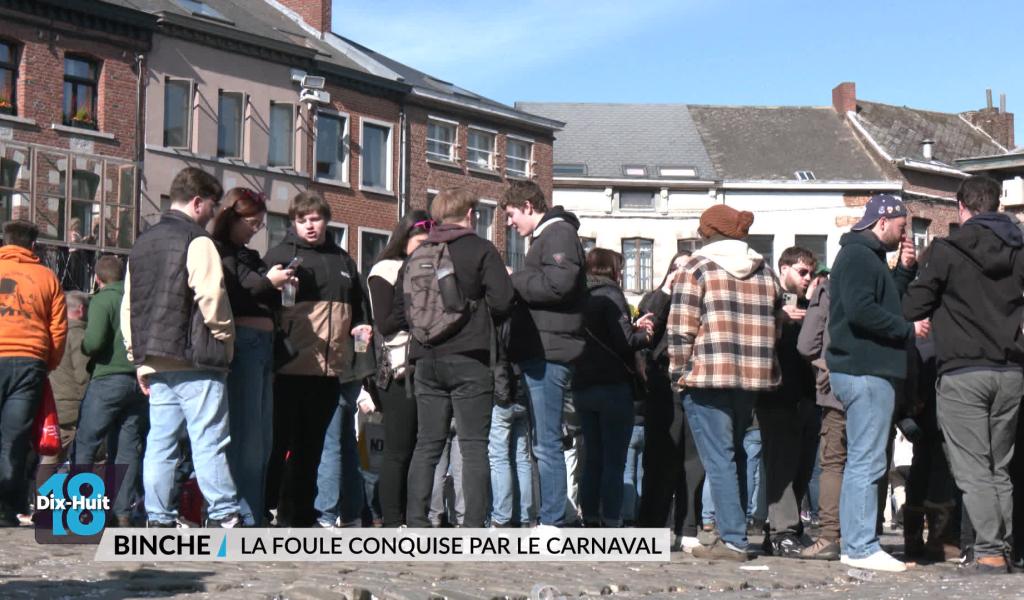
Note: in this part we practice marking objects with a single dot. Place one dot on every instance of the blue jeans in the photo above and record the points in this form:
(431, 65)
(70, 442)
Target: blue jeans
(507, 445)
(251, 410)
(606, 413)
(339, 484)
(114, 405)
(193, 400)
(633, 475)
(21, 389)
(755, 502)
(869, 403)
(546, 384)
(719, 420)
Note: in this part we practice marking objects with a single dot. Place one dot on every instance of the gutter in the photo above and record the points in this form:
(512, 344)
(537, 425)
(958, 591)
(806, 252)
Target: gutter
(647, 183)
(813, 186)
(509, 113)
(140, 143)
(926, 167)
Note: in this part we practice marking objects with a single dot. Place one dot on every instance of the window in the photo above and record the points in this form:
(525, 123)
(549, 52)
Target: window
(371, 243)
(177, 113)
(569, 170)
(817, 244)
(282, 125)
(480, 151)
(485, 220)
(277, 228)
(765, 246)
(375, 158)
(332, 147)
(339, 235)
(229, 124)
(8, 78)
(518, 159)
(677, 171)
(588, 244)
(919, 229)
(8, 183)
(441, 140)
(80, 77)
(638, 270)
(636, 200)
(804, 175)
(688, 245)
(634, 171)
(953, 227)
(515, 249)
(201, 9)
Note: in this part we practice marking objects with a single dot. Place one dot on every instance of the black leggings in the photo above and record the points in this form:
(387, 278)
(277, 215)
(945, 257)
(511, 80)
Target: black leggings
(399, 443)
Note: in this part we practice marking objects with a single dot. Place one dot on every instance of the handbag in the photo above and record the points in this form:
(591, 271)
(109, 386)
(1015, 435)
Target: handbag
(47, 426)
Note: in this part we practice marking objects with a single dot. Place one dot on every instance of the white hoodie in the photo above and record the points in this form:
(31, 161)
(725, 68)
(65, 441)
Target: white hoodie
(735, 256)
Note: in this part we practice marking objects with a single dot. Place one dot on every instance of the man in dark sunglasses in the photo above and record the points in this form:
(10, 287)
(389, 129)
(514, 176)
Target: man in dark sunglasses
(788, 417)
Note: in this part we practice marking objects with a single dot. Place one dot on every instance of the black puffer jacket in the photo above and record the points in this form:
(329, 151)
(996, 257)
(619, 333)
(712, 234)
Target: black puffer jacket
(552, 289)
(610, 337)
(972, 287)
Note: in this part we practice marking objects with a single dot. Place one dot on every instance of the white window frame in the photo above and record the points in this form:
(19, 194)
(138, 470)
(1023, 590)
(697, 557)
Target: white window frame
(618, 200)
(344, 167)
(453, 154)
(290, 137)
(493, 205)
(637, 286)
(190, 112)
(241, 125)
(389, 189)
(529, 156)
(344, 237)
(492, 163)
(363, 230)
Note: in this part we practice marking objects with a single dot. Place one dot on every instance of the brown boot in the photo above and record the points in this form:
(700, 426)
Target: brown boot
(822, 549)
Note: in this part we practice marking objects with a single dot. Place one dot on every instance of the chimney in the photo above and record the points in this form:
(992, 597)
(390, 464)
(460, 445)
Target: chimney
(316, 13)
(844, 97)
(926, 149)
(996, 122)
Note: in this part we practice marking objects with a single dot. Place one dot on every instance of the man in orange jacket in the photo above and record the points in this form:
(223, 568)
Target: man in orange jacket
(34, 325)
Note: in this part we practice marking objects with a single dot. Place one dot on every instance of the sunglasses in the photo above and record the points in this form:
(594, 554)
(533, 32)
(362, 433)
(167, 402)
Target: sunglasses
(803, 272)
(425, 225)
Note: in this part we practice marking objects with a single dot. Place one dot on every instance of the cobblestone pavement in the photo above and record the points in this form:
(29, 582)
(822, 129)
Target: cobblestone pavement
(29, 570)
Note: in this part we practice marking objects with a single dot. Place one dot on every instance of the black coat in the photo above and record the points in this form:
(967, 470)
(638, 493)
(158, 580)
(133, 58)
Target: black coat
(608, 353)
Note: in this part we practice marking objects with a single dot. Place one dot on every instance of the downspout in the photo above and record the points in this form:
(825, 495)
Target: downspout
(403, 162)
(140, 143)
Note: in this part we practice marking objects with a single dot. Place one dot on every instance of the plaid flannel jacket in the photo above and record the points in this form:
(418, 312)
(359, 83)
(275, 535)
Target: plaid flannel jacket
(722, 330)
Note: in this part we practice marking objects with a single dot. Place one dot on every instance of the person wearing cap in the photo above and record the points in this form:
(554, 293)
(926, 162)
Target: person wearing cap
(865, 357)
(973, 286)
(721, 359)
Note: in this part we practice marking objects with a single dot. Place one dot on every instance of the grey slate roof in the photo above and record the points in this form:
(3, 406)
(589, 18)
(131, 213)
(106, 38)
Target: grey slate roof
(605, 137)
(758, 143)
(900, 131)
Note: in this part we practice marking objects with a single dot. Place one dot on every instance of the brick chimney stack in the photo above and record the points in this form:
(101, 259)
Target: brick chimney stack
(996, 122)
(844, 97)
(316, 13)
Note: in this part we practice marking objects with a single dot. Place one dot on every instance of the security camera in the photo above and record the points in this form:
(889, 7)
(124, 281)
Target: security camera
(318, 96)
(313, 82)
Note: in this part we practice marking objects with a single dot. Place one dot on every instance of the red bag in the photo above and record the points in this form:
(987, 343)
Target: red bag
(46, 429)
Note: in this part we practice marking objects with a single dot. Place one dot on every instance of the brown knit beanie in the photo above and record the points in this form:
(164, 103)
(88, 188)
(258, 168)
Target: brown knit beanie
(725, 220)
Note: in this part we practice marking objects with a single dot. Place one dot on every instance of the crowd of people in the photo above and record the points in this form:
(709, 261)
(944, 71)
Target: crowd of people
(736, 395)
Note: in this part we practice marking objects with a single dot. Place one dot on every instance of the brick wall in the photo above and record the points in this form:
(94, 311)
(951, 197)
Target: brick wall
(316, 13)
(939, 212)
(351, 205)
(426, 175)
(40, 92)
(997, 124)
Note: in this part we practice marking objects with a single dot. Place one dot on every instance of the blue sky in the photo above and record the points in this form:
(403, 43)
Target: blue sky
(938, 54)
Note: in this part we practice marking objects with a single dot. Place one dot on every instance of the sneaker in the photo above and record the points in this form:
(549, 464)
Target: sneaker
(325, 524)
(986, 565)
(228, 522)
(823, 549)
(786, 545)
(161, 525)
(688, 543)
(721, 550)
(879, 561)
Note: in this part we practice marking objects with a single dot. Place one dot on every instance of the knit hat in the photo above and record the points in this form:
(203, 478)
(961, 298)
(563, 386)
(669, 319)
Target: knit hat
(725, 220)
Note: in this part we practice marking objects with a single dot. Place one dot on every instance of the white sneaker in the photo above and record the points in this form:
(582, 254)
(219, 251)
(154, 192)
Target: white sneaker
(879, 561)
(689, 543)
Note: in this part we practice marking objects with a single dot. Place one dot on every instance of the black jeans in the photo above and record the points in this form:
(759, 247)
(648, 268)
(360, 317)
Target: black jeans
(21, 389)
(444, 385)
(789, 436)
(114, 405)
(399, 444)
(673, 473)
(303, 407)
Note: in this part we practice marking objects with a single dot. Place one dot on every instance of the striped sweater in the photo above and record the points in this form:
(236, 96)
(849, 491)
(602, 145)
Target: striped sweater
(722, 326)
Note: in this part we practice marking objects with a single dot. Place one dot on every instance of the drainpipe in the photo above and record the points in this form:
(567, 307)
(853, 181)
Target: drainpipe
(403, 161)
(140, 139)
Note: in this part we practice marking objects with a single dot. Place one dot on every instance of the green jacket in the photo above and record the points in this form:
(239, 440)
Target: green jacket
(103, 341)
(71, 376)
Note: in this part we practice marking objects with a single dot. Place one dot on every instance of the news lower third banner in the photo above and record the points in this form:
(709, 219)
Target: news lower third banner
(390, 545)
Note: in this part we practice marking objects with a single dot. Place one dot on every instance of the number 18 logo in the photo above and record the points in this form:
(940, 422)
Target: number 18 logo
(78, 503)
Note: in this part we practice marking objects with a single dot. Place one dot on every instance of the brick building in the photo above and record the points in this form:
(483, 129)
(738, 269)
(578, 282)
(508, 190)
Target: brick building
(70, 103)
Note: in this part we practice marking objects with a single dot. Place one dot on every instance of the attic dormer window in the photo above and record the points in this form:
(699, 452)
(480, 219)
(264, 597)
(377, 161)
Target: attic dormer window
(805, 175)
(202, 9)
(634, 171)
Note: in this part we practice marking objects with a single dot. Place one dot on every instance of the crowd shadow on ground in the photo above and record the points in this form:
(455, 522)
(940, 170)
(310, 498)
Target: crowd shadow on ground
(109, 585)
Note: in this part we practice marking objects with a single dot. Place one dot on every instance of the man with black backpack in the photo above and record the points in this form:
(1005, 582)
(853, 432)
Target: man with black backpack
(450, 289)
(547, 328)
